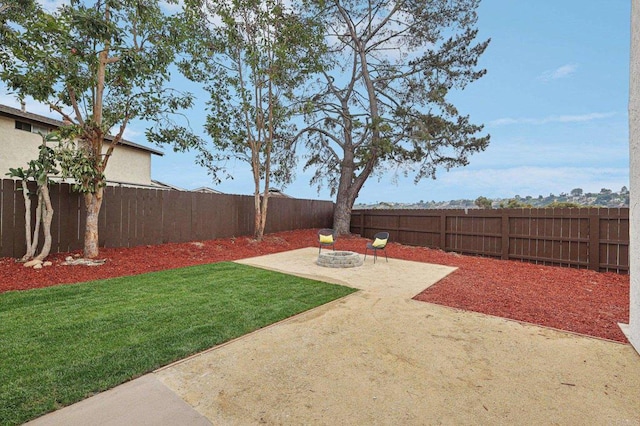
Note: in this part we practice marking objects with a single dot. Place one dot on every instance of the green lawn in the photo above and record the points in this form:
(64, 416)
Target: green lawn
(61, 344)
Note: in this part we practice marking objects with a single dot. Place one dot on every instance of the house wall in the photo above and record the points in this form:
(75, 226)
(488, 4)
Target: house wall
(129, 165)
(18, 147)
(633, 329)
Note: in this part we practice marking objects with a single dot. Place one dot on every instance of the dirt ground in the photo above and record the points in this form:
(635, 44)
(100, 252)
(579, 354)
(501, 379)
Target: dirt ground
(378, 357)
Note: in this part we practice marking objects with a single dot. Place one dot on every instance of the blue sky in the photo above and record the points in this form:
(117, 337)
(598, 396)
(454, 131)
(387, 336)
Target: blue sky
(555, 101)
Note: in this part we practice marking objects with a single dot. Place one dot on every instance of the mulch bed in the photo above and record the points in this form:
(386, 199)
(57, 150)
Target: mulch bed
(575, 300)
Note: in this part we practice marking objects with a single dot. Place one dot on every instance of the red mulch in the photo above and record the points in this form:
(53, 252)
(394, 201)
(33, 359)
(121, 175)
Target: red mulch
(576, 300)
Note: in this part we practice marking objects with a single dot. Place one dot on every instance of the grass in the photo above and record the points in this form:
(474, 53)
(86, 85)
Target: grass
(61, 344)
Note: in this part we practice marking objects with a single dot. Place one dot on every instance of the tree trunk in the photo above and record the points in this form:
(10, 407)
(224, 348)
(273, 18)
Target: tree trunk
(47, 218)
(348, 190)
(342, 216)
(93, 202)
(257, 231)
(27, 223)
(36, 228)
(263, 214)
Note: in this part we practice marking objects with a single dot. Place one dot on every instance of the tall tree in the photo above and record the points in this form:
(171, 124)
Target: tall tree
(250, 55)
(383, 104)
(99, 65)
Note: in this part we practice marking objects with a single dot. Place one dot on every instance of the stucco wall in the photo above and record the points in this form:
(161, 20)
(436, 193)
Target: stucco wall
(18, 147)
(634, 176)
(129, 165)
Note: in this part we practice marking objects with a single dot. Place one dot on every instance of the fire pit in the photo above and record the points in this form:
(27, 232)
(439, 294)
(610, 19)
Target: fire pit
(339, 259)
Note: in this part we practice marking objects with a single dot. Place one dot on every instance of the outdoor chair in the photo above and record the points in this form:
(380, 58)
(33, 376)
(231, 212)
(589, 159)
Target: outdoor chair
(327, 237)
(379, 243)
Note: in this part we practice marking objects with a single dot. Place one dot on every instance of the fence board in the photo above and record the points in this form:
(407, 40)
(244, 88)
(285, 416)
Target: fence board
(583, 238)
(54, 194)
(7, 216)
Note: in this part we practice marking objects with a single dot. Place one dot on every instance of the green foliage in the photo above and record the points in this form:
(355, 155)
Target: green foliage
(392, 110)
(250, 55)
(78, 165)
(98, 64)
(514, 203)
(483, 202)
(61, 344)
(382, 101)
(563, 204)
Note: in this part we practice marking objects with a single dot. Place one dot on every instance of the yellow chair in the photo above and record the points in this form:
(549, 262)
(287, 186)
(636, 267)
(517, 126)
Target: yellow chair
(327, 237)
(379, 243)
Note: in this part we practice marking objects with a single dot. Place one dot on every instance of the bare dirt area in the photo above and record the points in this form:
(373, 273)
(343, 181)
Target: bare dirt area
(580, 301)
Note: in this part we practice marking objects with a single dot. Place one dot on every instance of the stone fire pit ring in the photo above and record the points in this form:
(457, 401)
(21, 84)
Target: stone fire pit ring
(339, 259)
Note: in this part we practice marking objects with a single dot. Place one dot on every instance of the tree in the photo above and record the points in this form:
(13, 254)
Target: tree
(576, 192)
(513, 203)
(563, 205)
(39, 170)
(99, 65)
(250, 55)
(483, 202)
(382, 103)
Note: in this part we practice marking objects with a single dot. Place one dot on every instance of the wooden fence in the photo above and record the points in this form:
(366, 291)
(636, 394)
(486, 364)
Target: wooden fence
(592, 238)
(139, 216)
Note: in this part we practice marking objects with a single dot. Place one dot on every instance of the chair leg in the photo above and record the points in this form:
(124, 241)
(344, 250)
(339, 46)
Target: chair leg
(375, 255)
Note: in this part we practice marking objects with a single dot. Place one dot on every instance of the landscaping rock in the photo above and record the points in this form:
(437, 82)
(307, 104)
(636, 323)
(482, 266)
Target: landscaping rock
(85, 262)
(33, 263)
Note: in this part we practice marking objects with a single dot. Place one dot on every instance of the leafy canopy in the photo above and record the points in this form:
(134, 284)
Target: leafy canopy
(98, 64)
(250, 56)
(384, 103)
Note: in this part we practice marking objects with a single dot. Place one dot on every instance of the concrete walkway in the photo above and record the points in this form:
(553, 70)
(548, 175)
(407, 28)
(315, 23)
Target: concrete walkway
(377, 357)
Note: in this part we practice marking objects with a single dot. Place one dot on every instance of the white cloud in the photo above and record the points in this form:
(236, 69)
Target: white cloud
(560, 72)
(497, 183)
(580, 118)
(533, 180)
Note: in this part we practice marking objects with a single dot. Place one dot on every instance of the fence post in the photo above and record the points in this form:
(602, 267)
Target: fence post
(594, 240)
(504, 228)
(443, 230)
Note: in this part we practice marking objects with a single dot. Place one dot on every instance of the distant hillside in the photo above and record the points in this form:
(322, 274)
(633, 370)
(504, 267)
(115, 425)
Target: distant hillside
(576, 198)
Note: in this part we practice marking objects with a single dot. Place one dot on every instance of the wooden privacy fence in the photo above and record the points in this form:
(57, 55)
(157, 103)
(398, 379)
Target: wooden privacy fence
(139, 216)
(592, 238)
